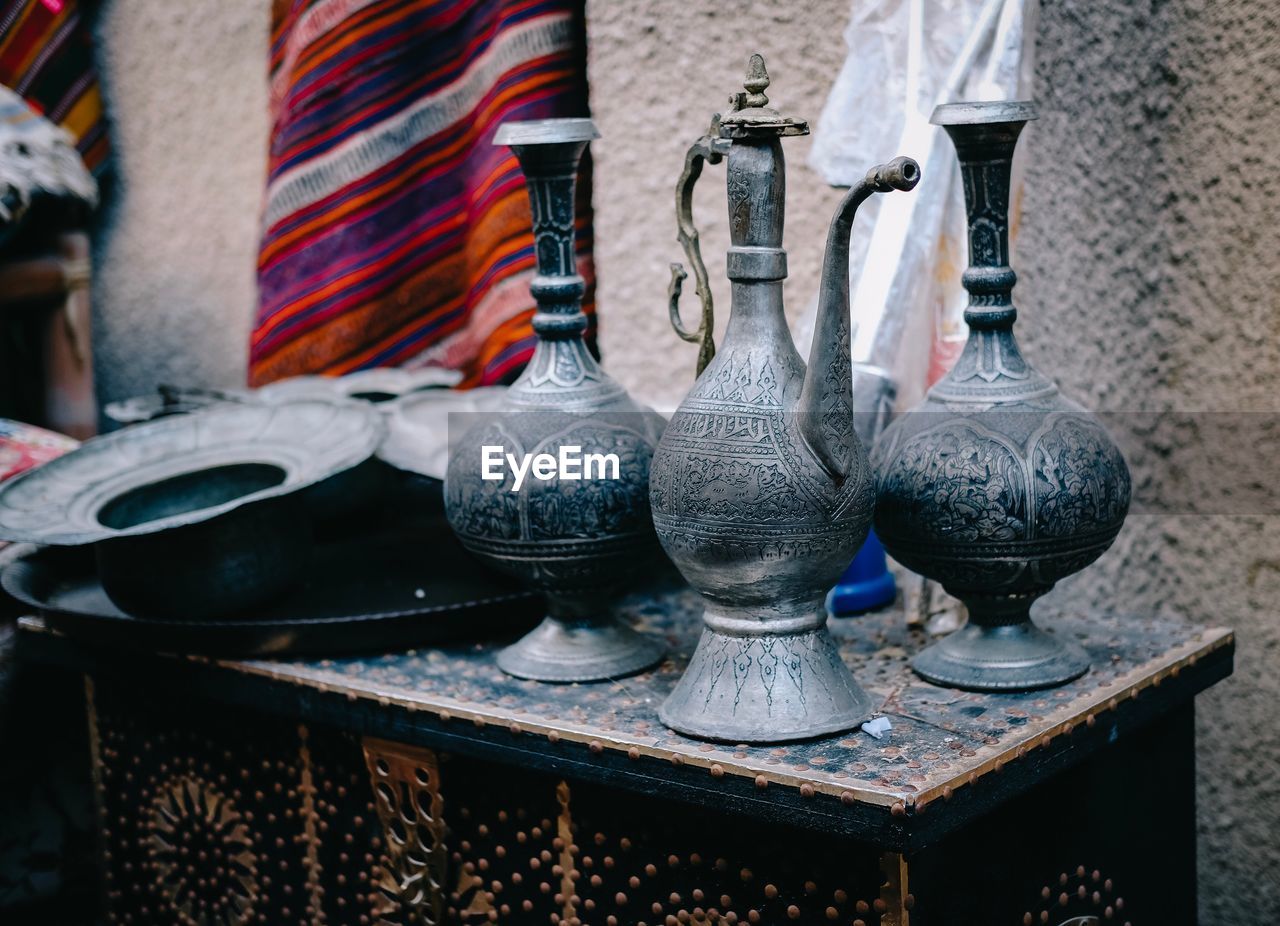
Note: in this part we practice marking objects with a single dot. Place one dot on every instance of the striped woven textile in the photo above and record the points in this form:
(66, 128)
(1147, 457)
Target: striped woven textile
(46, 57)
(395, 233)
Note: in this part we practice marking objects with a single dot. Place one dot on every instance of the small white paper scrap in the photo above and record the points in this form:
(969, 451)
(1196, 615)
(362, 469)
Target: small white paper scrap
(878, 727)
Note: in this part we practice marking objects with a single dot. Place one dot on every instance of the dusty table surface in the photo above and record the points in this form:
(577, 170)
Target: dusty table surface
(944, 749)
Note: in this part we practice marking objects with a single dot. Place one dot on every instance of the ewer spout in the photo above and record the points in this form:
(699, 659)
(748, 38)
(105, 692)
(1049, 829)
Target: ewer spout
(826, 399)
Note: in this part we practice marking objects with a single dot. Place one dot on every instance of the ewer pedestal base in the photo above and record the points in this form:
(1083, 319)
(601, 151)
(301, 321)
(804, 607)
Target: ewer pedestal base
(748, 686)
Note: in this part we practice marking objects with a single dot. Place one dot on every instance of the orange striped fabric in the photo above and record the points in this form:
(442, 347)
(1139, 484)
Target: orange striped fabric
(394, 232)
(46, 57)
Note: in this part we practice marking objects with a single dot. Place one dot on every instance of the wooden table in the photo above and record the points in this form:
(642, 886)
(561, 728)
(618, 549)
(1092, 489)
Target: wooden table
(427, 787)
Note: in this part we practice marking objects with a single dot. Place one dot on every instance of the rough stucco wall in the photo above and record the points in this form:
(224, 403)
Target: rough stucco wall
(175, 251)
(1148, 282)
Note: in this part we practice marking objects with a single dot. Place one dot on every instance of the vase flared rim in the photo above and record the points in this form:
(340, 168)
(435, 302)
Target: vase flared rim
(545, 132)
(984, 113)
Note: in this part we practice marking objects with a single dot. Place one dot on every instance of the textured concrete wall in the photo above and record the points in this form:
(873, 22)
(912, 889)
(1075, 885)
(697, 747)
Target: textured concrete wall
(1148, 268)
(1150, 281)
(175, 254)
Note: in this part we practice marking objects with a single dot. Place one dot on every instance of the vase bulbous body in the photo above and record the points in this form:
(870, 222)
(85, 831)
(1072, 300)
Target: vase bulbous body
(580, 528)
(996, 486)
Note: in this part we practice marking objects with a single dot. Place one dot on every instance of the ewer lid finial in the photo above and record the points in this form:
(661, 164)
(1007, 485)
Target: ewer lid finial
(749, 113)
(755, 84)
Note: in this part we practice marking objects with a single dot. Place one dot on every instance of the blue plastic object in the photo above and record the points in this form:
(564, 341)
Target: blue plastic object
(866, 585)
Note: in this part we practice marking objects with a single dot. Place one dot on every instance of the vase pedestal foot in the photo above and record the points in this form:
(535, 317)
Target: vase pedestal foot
(765, 687)
(576, 650)
(1004, 657)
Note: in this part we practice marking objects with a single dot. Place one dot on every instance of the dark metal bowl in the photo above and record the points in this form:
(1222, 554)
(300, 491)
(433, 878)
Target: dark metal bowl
(201, 514)
(238, 561)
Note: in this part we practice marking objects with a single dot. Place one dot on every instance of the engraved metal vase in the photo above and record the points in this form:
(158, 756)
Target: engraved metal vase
(575, 539)
(761, 491)
(997, 485)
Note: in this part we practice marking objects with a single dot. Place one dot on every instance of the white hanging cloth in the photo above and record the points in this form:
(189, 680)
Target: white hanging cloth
(905, 57)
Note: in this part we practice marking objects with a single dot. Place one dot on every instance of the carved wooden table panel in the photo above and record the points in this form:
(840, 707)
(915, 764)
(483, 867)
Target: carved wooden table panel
(427, 787)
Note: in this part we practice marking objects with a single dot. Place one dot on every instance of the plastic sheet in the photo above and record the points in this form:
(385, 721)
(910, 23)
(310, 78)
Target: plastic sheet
(905, 57)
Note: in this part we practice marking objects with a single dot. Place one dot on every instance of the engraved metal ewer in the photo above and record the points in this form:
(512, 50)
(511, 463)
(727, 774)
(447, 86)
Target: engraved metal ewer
(761, 492)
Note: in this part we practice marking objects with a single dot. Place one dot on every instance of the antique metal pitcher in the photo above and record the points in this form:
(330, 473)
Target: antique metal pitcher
(761, 492)
(997, 485)
(577, 533)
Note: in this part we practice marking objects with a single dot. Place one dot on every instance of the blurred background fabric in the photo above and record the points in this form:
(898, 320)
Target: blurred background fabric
(394, 232)
(46, 57)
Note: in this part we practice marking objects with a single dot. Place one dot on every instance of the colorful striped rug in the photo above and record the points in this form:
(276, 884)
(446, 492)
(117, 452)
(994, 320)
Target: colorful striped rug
(395, 233)
(46, 58)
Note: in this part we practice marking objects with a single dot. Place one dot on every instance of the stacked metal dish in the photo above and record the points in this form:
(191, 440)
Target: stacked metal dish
(194, 515)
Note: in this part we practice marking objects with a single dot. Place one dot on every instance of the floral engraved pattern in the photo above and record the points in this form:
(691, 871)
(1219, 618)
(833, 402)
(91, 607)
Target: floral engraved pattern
(954, 483)
(591, 508)
(559, 509)
(1082, 483)
(484, 508)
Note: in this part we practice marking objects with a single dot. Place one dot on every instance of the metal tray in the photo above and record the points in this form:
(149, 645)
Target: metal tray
(392, 588)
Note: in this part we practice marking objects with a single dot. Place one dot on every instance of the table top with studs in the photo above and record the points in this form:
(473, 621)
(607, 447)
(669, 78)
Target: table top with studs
(943, 747)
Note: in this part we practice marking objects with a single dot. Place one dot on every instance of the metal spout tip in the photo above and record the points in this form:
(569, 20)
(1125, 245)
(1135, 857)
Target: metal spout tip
(902, 173)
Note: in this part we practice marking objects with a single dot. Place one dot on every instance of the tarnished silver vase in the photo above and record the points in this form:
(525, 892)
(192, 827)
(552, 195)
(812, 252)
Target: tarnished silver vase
(574, 532)
(997, 485)
(761, 492)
